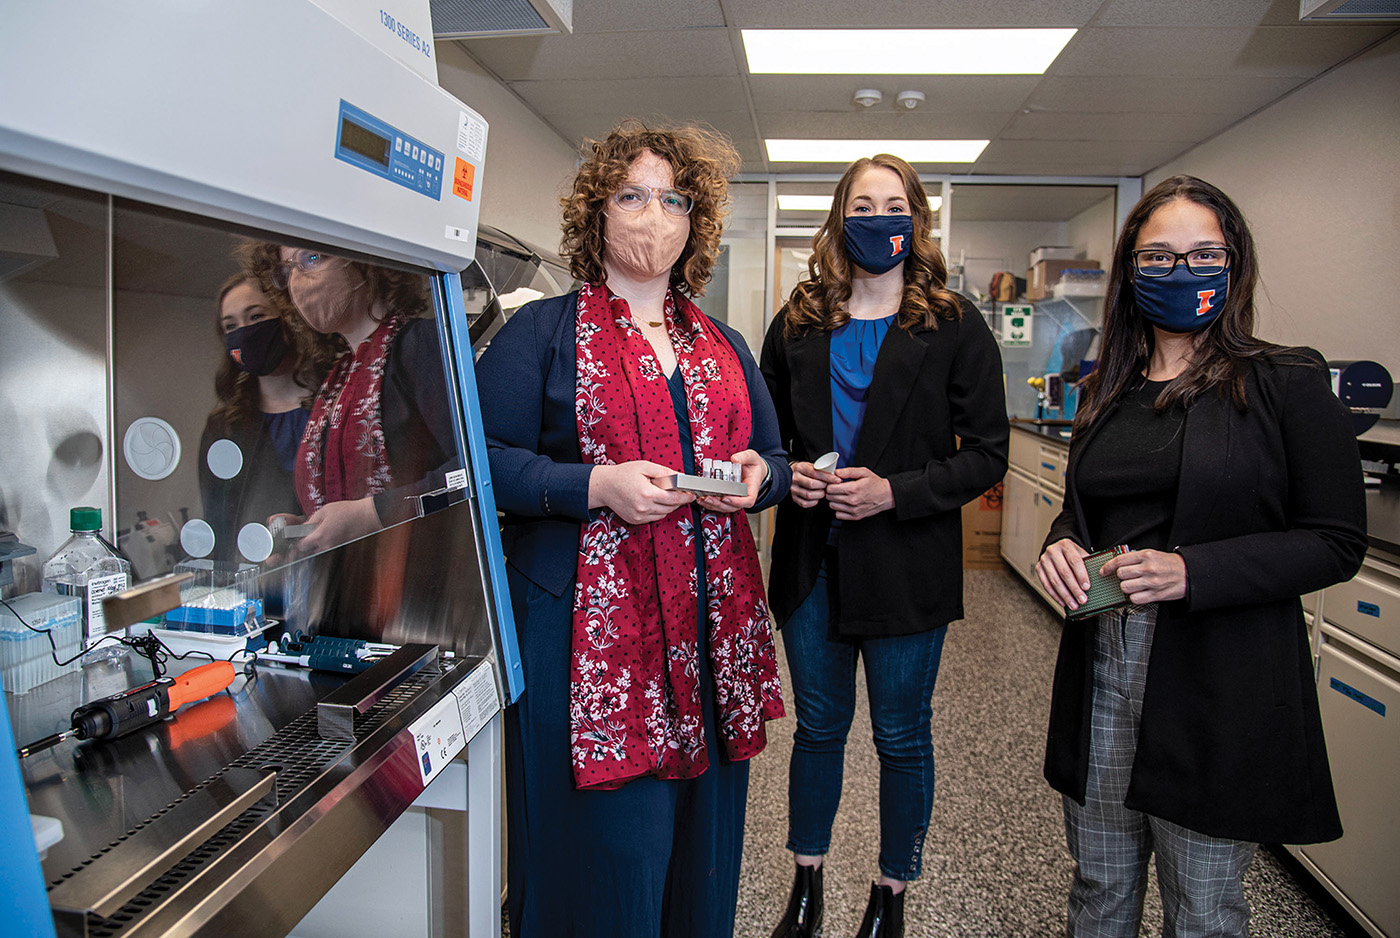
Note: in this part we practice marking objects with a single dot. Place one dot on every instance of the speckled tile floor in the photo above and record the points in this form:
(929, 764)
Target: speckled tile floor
(995, 864)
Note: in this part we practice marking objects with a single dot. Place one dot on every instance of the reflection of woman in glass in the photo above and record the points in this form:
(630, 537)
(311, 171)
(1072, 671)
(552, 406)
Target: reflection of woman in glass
(381, 423)
(264, 386)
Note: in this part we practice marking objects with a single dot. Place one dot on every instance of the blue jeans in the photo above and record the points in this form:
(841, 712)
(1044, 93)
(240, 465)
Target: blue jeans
(899, 676)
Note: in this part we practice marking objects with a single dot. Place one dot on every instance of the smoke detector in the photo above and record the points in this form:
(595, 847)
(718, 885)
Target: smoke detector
(868, 97)
(909, 99)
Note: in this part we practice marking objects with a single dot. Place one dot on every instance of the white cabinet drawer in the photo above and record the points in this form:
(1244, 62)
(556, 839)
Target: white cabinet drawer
(1024, 452)
(1360, 698)
(1368, 605)
(1051, 464)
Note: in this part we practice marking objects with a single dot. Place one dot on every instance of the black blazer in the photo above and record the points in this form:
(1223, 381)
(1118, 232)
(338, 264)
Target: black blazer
(900, 571)
(1270, 505)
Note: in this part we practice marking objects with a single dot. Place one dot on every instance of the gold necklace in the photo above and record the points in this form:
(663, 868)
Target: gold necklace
(654, 325)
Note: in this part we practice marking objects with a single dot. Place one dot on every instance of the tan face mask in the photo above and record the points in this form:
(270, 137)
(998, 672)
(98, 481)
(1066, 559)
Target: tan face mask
(645, 244)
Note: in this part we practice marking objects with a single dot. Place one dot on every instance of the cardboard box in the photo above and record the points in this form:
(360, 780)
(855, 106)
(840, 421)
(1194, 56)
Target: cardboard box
(1051, 252)
(1041, 278)
(981, 531)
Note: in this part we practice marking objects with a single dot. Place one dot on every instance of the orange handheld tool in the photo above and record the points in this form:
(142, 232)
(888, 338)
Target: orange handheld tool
(198, 683)
(139, 707)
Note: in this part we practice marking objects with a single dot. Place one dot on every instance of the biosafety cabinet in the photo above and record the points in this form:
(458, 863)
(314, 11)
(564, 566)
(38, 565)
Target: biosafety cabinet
(142, 146)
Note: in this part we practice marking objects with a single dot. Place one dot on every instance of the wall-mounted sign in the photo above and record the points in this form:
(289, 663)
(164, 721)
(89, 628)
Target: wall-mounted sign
(1016, 326)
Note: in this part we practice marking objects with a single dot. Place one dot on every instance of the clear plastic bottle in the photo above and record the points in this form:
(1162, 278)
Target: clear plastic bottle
(88, 567)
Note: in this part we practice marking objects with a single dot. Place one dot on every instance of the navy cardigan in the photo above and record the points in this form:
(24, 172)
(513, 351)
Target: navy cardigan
(527, 379)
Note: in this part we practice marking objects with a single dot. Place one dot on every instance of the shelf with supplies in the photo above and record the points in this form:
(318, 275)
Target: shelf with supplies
(1051, 336)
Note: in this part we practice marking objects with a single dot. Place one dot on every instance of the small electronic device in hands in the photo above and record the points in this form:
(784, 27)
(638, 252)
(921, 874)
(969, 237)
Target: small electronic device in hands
(1105, 592)
(716, 477)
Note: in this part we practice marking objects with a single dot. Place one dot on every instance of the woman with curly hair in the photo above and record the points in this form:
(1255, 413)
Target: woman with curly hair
(264, 386)
(643, 625)
(874, 361)
(380, 428)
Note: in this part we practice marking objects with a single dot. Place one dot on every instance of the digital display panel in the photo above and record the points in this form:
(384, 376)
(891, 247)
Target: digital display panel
(365, 142)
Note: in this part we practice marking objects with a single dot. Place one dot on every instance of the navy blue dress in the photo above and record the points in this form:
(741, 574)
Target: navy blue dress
(655, 856)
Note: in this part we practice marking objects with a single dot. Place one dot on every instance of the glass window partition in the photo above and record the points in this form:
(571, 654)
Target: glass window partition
(197, 382)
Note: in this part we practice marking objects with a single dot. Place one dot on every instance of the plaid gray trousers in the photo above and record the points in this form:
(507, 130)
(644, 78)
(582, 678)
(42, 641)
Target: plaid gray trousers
(1200, 876)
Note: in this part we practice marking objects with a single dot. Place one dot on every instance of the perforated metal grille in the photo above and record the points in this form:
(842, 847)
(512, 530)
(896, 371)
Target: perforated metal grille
(452, 17)
(300, 755)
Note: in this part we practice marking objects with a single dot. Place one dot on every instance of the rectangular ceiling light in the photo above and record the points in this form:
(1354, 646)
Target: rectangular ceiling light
(845, 151)
(903, 51)
(822, 203)
(804, 203)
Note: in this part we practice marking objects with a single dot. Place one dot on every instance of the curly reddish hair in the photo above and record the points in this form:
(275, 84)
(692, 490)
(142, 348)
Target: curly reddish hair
(401, 291)
(702, 161)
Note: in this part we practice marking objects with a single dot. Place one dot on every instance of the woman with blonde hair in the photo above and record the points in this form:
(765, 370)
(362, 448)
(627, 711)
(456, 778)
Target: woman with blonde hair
(875, 360)
(644, 629)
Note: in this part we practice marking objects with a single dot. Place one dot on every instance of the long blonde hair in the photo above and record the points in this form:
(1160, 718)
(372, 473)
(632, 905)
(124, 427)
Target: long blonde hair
(820, 302)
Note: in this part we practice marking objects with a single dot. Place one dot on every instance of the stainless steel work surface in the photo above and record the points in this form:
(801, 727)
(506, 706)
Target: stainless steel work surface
(263, 870)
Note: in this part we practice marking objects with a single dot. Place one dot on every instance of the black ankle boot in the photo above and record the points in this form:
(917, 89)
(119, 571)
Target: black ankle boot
(884, 915)
(803, 918)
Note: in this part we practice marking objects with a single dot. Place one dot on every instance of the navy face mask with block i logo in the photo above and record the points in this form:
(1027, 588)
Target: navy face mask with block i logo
(878, 243)
(1181, 301)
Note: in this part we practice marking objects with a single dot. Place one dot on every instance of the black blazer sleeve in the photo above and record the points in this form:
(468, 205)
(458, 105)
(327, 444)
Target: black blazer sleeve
(1325, 541)
(977, 405)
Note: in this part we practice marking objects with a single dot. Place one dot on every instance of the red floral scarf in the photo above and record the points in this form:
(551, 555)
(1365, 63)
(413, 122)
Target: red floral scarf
(342, 454)
(634, 705)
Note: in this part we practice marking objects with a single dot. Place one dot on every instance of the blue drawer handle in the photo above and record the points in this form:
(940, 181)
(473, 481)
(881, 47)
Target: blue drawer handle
(1368, 609)
(1047, 465)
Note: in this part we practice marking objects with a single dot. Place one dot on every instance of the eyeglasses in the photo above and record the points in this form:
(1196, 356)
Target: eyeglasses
(307, 262)
(632, 198)
(1203, 262)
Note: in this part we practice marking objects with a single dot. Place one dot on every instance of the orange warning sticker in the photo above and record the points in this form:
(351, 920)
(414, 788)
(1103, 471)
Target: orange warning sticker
(462, 179)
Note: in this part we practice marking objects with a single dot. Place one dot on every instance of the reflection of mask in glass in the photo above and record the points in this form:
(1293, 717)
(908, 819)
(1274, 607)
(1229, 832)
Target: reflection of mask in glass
(325, 301)
(878, 243)
(646, 244)
(257, 348)
(1181, 301)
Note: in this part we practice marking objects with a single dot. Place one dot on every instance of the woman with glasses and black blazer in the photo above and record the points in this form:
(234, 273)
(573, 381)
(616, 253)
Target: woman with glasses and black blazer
(1187, 723)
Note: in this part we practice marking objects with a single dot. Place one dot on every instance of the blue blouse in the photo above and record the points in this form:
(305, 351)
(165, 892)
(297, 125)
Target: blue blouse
(285, 430)
(855, 344)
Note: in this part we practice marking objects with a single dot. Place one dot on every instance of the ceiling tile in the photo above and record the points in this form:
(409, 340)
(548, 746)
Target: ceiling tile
(595, 123)
(1186, 12)
(1153, 95)
(1077, 158)
(1130, 126)
(911, 126)
(658, 53)
(943, 93)
(1302, 50)
(1150, 51)
(622, 15)
(1269, 51)
(673, 96)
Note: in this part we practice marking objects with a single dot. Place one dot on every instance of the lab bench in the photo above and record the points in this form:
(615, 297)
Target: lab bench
(1034, 492)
